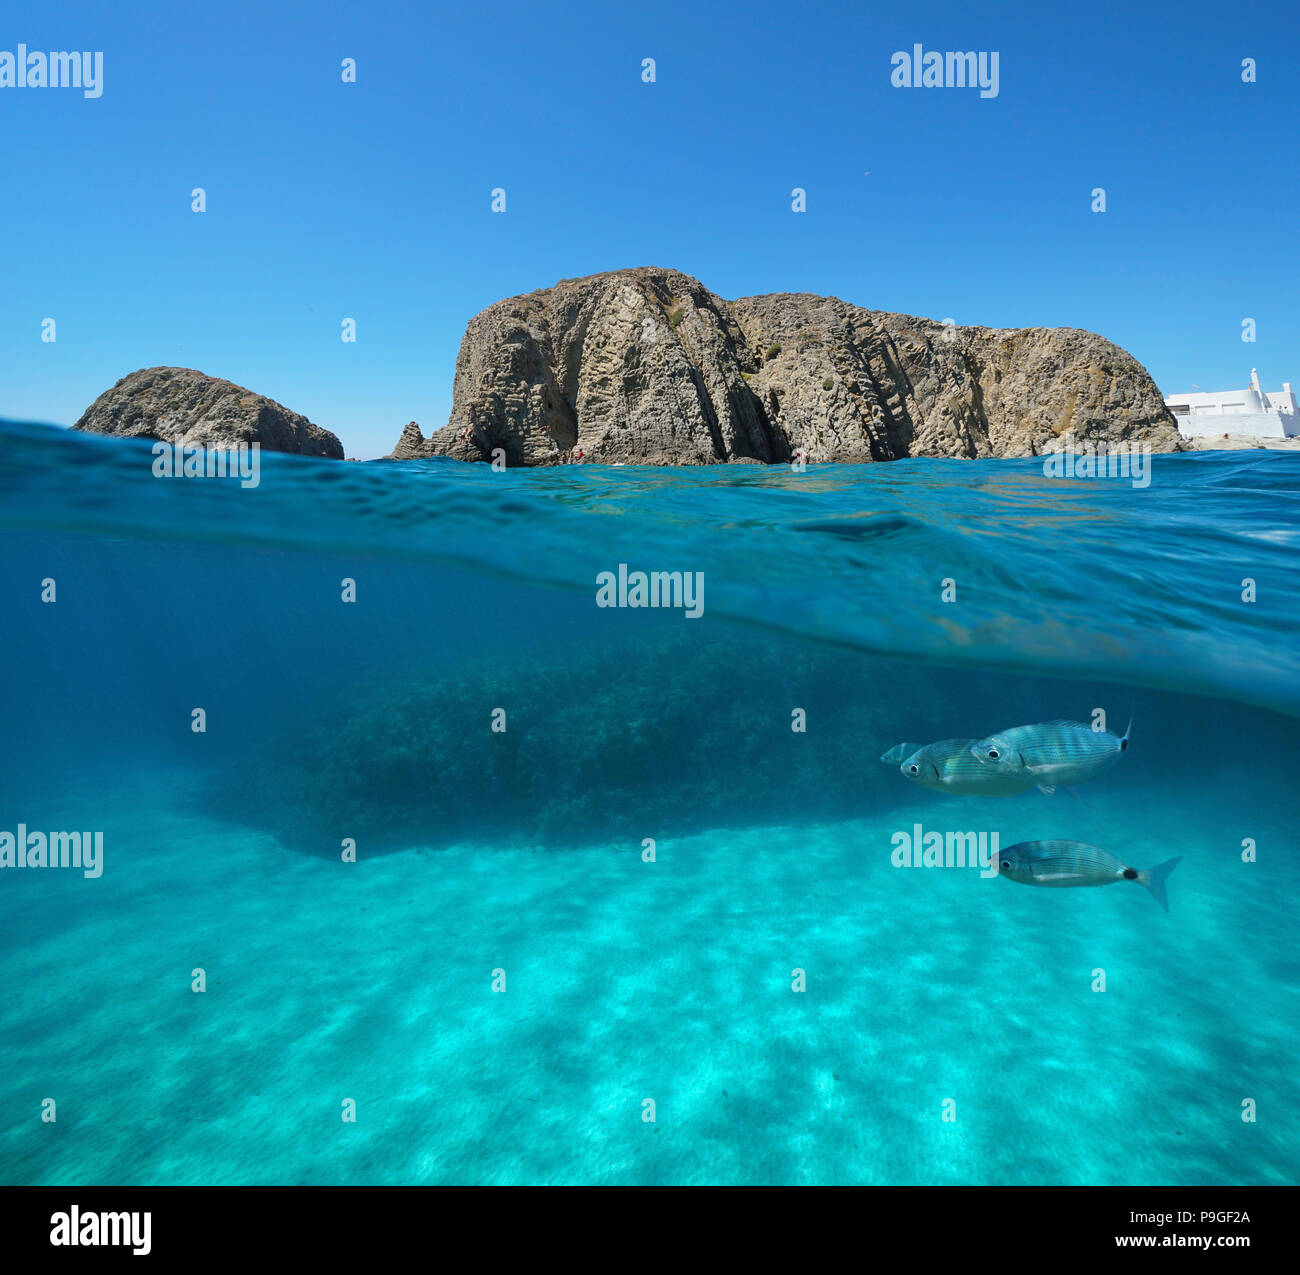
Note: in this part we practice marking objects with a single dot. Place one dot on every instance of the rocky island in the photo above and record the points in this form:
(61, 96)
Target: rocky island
(180, 405)
(647, 366)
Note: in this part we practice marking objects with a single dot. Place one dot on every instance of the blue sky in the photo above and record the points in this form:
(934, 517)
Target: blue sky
(371, 200)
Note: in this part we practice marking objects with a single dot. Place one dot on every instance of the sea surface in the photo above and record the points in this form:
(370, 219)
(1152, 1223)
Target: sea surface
(624, 906)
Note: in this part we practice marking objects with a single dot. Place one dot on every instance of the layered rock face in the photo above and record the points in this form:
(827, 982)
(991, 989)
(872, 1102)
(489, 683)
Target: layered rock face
(847, 384)
(635, 366)
(647, 366)
(180, 405)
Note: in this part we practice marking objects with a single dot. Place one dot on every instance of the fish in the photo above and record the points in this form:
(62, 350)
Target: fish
(947, 766)
(1064, 864)
(1052, 753)
(900, 752)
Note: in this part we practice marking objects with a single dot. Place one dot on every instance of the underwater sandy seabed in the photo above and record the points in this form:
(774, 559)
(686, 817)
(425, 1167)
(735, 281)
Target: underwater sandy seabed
(626, 981)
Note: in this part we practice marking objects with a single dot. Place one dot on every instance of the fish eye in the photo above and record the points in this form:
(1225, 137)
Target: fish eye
(994, 754)
(913, 770)
(1006, 863)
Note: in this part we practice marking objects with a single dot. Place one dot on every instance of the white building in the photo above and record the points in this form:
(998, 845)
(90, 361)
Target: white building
(1251, 412)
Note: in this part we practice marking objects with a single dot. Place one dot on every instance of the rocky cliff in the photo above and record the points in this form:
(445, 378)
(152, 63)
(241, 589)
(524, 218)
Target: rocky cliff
(648, 366)
(180, 405)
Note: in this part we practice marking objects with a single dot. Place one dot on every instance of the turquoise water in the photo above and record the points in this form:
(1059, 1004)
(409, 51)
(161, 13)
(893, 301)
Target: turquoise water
(928, 991)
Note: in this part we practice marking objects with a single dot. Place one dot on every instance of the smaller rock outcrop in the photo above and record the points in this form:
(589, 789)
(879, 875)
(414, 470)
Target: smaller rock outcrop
(180, 405)
(411, 445)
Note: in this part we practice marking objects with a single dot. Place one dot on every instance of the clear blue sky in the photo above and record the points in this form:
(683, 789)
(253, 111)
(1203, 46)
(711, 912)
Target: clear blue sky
(372, 200)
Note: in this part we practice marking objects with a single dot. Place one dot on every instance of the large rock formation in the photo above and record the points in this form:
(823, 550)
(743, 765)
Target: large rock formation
(180, 405)
(648, 366)
(695, 739)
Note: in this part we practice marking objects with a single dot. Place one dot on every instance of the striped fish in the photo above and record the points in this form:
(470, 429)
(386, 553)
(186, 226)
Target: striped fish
(1052, 753)
(948, 766)
(1064, 864)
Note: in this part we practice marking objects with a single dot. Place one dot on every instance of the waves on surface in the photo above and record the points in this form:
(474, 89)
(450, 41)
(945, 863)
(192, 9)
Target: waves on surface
(1082, 578)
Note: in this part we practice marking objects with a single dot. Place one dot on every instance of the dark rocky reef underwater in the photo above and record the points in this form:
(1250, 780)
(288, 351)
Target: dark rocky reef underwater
(653, 743)
(655, 739)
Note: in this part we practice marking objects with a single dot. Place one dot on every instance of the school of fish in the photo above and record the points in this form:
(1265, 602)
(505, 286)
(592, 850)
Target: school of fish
(1046, 756)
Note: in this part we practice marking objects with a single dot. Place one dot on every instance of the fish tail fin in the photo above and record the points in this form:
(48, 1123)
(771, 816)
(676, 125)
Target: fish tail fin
(1154, 879)
(1128, 730)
